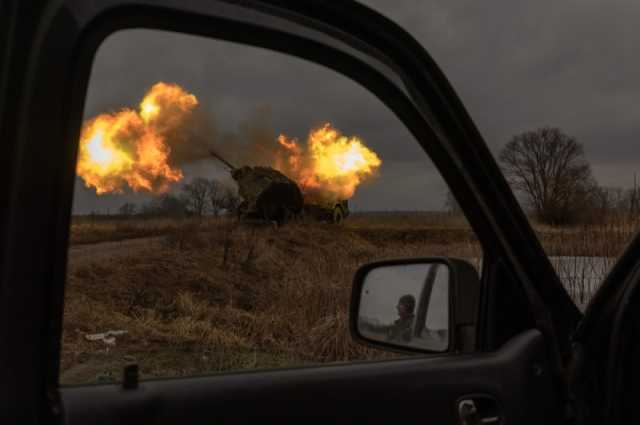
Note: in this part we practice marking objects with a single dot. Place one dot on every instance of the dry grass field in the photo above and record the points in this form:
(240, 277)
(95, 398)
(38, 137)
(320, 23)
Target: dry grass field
(199, 296)
(92, 231)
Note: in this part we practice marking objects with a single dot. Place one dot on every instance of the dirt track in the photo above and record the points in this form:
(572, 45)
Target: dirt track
(83, 254)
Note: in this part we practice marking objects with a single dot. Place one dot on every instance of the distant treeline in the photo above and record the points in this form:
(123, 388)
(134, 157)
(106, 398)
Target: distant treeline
(198, 197)
(549, 172)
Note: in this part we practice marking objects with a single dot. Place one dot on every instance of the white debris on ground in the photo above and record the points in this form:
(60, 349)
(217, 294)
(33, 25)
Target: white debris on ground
(108, 337)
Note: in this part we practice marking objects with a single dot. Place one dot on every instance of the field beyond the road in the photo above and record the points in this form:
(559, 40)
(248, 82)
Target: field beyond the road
(197, 296)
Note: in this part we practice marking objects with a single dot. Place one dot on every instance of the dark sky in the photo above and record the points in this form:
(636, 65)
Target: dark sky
(516, 65)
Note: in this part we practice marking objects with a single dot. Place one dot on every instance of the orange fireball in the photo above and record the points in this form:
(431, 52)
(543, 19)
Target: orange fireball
(330, 167)
(130, 148)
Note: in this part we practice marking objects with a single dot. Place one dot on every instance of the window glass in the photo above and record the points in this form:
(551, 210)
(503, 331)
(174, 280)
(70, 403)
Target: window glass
(225, 196)
(438, 309)
(552, 87)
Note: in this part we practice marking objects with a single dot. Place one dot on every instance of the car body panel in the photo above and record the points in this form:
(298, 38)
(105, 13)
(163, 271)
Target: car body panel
(369, 392)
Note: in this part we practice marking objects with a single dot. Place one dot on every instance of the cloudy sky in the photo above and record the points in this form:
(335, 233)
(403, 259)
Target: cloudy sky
(516, 65)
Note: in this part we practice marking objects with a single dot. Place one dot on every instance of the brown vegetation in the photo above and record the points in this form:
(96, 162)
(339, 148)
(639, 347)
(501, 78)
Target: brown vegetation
(91, 230)
(589, 250)
(607, 239)
(217, 295)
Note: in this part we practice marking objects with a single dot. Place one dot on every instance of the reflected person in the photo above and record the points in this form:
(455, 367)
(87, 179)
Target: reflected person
(401, 329)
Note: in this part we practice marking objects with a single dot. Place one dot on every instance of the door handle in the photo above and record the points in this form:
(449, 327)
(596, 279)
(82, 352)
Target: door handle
(479, 410)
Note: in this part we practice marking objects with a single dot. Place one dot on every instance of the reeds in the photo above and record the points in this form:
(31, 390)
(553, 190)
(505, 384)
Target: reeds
(583, 255)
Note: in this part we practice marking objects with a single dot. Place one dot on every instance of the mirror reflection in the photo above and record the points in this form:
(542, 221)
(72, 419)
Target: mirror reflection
(406, 305)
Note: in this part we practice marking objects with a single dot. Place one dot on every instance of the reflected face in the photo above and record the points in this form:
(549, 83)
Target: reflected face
(403, 311)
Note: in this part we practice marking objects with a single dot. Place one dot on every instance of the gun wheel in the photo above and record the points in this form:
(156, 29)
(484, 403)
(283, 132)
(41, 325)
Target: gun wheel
(338, 215)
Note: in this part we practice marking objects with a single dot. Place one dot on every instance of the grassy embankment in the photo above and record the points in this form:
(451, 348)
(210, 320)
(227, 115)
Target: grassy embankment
(216, 295)
(90, 231)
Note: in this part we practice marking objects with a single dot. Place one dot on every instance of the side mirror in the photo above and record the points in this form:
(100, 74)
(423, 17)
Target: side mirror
(427, 305)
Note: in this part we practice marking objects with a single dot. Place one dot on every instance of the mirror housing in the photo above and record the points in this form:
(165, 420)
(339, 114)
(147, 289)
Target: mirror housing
(423, 305)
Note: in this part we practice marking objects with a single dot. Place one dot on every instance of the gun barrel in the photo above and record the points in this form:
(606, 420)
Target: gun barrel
(221, 159)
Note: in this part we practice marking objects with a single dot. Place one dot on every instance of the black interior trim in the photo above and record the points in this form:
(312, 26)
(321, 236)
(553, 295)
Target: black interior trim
(517, 377)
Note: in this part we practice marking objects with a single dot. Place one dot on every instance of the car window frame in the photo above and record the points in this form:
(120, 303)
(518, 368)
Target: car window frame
(79, 43)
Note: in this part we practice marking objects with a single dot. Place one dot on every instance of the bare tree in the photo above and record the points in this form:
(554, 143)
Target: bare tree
(625, 201)
(231, 200)
(617, 200)
(216, 196)
(165, 206)
(633, 197)
(127, 209)
(550, 169)
(451, 204)
(194, 194)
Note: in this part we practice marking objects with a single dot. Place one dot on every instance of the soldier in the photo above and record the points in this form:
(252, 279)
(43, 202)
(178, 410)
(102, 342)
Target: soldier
(401, 329)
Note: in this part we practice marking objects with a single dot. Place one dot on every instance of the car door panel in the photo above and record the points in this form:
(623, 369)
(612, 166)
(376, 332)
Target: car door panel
(516, 378)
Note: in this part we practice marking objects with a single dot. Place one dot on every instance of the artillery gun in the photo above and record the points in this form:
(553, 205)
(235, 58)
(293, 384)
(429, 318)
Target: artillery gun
(268, 194)
(331, 211)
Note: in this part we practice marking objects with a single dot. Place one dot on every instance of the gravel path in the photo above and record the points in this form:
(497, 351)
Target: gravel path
(83, 254)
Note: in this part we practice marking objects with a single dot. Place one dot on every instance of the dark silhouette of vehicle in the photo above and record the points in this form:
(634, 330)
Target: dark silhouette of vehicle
(268, 194)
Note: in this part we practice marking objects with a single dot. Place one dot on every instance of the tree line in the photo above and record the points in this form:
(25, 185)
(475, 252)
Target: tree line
(549, 171)
(198, 197)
